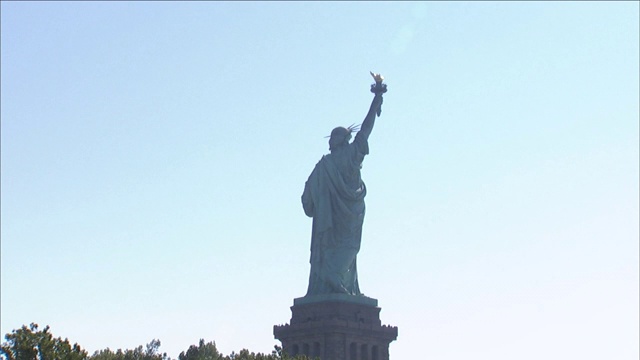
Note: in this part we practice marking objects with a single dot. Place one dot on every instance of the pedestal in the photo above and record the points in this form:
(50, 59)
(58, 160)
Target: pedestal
(336, 327)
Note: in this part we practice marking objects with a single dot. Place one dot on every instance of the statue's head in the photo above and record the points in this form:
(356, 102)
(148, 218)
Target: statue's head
(339, 136)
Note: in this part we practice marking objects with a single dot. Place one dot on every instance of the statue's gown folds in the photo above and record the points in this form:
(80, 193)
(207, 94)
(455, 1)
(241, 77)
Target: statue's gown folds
(334, 197)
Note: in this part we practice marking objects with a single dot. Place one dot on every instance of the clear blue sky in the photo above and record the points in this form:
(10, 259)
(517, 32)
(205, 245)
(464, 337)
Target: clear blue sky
(154, 154)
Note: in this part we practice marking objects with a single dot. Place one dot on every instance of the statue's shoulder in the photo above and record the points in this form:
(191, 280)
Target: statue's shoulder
(326, 164)
(321, 163)
(326, 158)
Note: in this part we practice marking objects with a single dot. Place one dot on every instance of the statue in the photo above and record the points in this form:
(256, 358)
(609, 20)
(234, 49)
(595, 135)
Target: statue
(334, 197)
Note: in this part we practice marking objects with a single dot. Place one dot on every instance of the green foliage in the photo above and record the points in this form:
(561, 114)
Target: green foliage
(279, 354)
(29, 343)
(208, 351)
(203, 351)
(276, 354)
(150, 353)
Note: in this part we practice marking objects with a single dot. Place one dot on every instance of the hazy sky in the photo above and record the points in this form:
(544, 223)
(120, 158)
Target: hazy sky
(154, 154)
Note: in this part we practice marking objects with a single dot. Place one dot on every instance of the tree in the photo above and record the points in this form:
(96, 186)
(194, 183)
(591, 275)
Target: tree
(151, 353)
(209, 351)
(279, 354)
(29, 343)
(203, 351)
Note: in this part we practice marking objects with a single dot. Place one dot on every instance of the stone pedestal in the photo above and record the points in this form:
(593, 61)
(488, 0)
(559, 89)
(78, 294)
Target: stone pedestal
(336, 327)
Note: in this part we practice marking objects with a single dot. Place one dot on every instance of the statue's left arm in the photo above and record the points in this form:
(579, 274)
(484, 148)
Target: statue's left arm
(369, 120)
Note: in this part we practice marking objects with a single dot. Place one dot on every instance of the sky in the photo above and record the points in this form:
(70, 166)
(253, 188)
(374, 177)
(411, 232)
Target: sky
(153, 155)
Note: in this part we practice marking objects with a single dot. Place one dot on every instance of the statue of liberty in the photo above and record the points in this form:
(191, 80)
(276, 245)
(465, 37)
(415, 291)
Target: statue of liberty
(334, 197)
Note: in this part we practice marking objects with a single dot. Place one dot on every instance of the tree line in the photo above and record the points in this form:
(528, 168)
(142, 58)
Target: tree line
(32, 343)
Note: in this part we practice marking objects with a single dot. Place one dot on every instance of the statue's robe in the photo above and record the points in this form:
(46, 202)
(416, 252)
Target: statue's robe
(334, 197)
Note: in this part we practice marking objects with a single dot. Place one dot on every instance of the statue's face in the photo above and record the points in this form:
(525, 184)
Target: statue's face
(339, 136)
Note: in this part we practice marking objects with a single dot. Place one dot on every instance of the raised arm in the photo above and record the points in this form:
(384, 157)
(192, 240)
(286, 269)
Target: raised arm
(369, 120)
